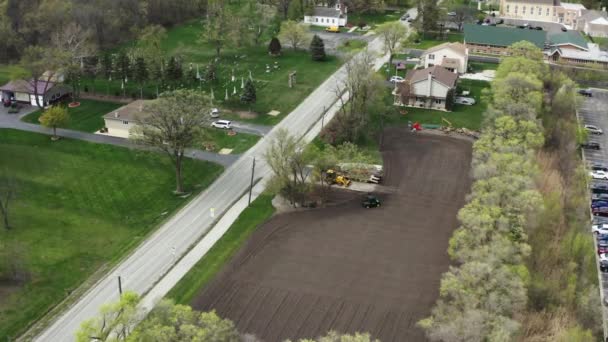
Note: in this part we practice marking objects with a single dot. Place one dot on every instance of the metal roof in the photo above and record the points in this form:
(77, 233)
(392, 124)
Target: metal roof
(502, 36)
(568, 38)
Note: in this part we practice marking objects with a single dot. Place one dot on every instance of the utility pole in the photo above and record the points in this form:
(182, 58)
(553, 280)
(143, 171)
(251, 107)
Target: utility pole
(323, 118)
(119, 286)
(251, 183)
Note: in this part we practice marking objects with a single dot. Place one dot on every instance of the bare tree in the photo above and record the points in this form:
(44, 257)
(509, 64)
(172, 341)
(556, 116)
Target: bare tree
(392, 33)
(8, 192)
(462, 14)
(172, 123)
(41, 66)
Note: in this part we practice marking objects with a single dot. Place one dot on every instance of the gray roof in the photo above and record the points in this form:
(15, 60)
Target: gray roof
(441, 74)
(538, 2)
(327, 12)
(589, 15)
(130, 112)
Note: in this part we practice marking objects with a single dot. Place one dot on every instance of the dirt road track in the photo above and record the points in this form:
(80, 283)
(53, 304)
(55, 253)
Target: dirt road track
(347, 268)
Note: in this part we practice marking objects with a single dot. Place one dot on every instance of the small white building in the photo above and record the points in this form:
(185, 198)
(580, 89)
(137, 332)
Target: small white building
(431, 88)
(328, 16)
(452, 56)
(120, 122)
(594, 23)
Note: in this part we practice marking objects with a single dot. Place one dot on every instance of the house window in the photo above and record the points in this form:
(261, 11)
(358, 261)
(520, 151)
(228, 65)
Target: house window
(508, 10)
(431, 56)
(515, 9)
(125, 122)
(437, 101)
(523, 10)
(333, 21)
(539, 11)
(316, 20)
(547, 11)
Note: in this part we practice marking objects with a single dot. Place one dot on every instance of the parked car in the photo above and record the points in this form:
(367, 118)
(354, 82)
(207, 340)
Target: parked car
(564, 29)
(224, 124)
(596, 174)
(602, 250)
(469, 101)
(603, 265)
(215, 113)
(593, 129)
(598, 204)
(600, 211)
(598, 167)
(601, 236)
(371, 201)
(410, 19)
(452, 14)
(333, 29)
(591, 146)
(585, 92)
(397, 79)
(599, 220)
(599, 197)
(540, 28)
(599, 228)
(405, 16)
(599, 188)
(602, 243)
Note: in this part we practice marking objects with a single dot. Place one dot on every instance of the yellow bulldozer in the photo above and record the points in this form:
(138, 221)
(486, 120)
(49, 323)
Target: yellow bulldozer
(335, 178)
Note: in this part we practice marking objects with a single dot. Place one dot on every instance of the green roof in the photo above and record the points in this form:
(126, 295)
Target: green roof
(502, 36)
(570, 37)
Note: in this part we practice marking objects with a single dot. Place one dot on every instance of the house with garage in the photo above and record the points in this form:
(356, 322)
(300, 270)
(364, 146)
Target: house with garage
(433, 88)
(495, 40)
(120, 122)
(23, 91)
(328, 15)
(452, 56)
(593, 23)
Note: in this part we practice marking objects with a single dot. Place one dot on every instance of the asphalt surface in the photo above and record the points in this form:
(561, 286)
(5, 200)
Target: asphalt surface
(347, 268)
(594, 111)
(156, 256)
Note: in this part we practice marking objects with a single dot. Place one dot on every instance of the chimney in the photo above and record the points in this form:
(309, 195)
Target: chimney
(430, 82)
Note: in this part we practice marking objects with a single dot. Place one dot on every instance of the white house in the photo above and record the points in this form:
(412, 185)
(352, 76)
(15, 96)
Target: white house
(452, 56)
(120, 122)
(328, 16)
(594, 23)
(431, 88)
(25, 91)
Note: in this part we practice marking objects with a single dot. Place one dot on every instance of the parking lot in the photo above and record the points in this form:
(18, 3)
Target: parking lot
(594, 111)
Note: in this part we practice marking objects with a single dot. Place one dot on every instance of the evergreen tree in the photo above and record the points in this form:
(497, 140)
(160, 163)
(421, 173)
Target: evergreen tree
(274, 48)
(174, 70)
(430, 16)
(211, 72)
(141, 73)
(317, 49)
(106, 65)
(124, 66)
(248, 95)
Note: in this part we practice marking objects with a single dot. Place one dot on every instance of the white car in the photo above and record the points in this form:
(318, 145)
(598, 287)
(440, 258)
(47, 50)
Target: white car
(604, 257)
(452, 14)
(599, 228)
(224, 124)
(397, 79)
(593, 129)
(215, 113)
(597, 174)
(469, 101)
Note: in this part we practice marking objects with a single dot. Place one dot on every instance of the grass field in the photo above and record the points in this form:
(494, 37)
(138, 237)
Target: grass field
(195, 280)
(81, 207)
(480, 66)
(469, 117)
(238, 143)
(272, 90)
(88, 117)
(352, 45)
(6, 71)
(428, 43)
(374, 19)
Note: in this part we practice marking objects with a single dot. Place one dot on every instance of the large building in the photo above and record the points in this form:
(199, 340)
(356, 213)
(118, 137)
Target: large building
(493, 40)
(328, 16)
(431, 88)
(542, 10)
(452, 56)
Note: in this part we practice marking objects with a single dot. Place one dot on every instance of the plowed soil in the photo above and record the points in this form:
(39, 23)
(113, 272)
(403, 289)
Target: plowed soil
(352, 269)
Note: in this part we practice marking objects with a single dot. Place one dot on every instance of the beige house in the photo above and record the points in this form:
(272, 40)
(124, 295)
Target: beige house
(452, 56)
(542, 10)
(120, 122)
(593, 23)
(431, 88)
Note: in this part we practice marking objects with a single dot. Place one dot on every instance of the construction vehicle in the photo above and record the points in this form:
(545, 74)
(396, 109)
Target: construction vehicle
(335, 178)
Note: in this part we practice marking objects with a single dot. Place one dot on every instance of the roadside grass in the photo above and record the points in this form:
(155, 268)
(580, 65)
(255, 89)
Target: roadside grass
(374, 19)
(352, 45)
(272, 88)
(480, 66)
(470, 117)
(223, 250)
(88, 117)
(388, 71)
(81, 208)
(238, 143)
(6, 72)
(430, 42)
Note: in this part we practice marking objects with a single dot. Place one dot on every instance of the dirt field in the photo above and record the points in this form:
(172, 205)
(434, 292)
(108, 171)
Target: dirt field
(352, 269)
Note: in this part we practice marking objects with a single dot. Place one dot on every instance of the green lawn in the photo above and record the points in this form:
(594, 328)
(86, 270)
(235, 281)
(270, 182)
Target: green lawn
(462, 116)
(428, 43)
(352, 45)
(602, 42)
(220, 254)
(374, 19)
(272, 87)
(6, 71)
(480, 66)
(88, 117)
(81, 207)
(387, 72)
(238, 143)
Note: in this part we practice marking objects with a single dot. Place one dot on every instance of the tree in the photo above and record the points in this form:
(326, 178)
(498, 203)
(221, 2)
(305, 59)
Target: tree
(41, 66)
(259, 18)
(56, 116)
(317, 49)
(141, 73)
(8, 192)
(123, 66)
(333, 336)
(115, 322)
(217, 26)
(463, 14)
(172, 124)
(525, 49)
(171, 322)
(430, 16)
(211, 72)
(274, 48)
(106, 65)
(174, 70)
(294, 33)
(392, 34)
(248, 96)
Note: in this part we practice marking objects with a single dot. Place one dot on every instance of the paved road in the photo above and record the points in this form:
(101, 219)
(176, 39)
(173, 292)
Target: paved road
(13, 121)
(153, 258)
(593, 112)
